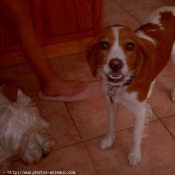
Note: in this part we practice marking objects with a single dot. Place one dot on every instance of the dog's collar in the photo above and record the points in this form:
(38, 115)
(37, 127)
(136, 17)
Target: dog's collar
(111, 91)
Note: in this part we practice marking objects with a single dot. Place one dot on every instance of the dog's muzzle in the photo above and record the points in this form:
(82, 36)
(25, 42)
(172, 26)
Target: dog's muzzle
(115, 74)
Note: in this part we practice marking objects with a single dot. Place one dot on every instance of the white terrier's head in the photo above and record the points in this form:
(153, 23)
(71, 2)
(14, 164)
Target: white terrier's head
(22, 131)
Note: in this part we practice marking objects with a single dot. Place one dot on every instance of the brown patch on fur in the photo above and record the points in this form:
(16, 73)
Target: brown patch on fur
(152, 60)
(144, 71)
(96, 56)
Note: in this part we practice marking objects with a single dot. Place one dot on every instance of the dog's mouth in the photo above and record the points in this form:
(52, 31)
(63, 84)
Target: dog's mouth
(115, 76)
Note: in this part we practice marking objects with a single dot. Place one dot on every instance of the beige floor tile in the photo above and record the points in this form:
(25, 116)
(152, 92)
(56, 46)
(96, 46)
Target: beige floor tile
(161, 103)
(142, 14)
(62, 127)
(72, 158)
(160, 100)
(111, 6)
(122, 18)
(155, 158)
(166, 78)
(135, 4)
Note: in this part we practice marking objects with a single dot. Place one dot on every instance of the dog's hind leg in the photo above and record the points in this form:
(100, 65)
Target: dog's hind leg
(173, 58)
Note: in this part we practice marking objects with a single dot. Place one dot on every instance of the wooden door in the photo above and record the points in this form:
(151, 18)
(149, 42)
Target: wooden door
(64, 27)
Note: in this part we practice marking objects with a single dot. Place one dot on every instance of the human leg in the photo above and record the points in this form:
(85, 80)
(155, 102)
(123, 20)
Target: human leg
(51, 85)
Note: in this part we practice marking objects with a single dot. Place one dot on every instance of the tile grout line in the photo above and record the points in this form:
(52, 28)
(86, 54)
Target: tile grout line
(167, 129)
(139, 8)
(73, 121)
(166, 116)
(67, 145)
(94, 81)
(82, 141)
(90, 157)
(160, 119)
(117, 131)
(163, 4)
(128, 10)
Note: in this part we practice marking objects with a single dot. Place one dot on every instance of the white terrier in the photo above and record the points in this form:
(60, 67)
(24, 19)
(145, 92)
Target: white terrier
(23, 132)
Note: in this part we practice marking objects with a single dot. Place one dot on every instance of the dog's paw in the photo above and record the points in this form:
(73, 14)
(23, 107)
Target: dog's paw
(134, 158)
(173, 95)
(107, 142)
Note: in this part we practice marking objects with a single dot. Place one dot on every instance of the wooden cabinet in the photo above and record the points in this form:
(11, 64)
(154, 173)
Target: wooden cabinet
(64, 26)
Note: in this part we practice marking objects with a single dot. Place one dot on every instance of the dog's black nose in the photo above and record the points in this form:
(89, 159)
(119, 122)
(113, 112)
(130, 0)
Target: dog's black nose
(115, 64)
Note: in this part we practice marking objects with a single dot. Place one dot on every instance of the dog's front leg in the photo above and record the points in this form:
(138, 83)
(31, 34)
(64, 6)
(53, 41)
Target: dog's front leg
(139, 122)
(109, 139)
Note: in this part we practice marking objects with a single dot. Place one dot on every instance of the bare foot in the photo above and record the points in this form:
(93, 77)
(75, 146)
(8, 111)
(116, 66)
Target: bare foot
(63, 88)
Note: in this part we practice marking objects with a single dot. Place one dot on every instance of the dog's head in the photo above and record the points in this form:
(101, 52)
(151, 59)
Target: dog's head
(36, 143)
(118, 53)
(35, 146)
(23, 132)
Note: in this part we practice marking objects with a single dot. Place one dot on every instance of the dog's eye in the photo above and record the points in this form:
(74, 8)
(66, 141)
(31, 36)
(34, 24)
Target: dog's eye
(130, 46)
(104, 45)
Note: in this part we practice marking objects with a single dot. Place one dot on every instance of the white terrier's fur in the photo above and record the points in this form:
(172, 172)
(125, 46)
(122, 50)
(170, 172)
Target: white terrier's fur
(23, 132)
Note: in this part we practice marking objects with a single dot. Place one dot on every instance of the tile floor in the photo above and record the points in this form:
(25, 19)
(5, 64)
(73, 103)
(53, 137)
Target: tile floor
(78, 127)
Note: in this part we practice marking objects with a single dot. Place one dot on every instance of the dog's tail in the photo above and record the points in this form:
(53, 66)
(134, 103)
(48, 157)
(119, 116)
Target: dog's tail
(3, 100)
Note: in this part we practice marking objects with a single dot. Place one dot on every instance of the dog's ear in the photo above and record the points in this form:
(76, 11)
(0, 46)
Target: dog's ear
(145, 61)
(92, 56)
(22, 98)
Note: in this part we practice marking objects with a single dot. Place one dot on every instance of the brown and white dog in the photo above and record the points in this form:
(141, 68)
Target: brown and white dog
(128, 63)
